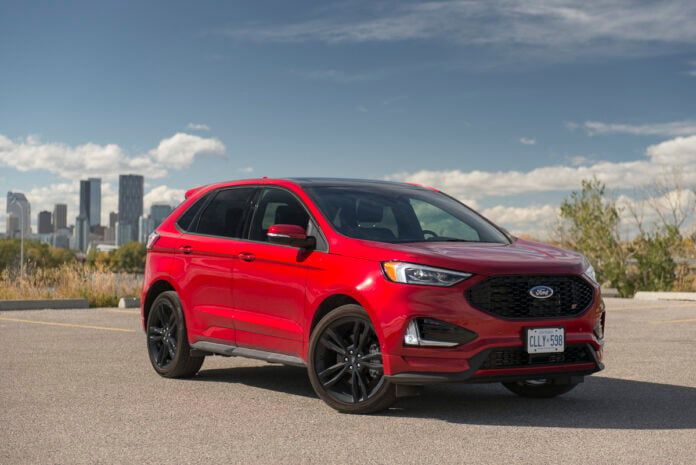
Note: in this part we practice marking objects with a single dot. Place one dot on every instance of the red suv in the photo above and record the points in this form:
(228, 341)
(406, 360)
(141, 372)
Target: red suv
(374, 287)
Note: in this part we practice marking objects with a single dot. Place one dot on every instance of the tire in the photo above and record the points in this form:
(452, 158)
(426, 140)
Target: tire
(167, 343)
(540, 388)
(345, 363)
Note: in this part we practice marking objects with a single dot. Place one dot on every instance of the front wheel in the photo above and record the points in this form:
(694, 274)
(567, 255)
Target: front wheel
(345, 363)
(540, 388)
(167, 344)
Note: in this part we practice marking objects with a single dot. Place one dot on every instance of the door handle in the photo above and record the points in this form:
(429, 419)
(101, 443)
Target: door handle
(187, 249)
(247, 257)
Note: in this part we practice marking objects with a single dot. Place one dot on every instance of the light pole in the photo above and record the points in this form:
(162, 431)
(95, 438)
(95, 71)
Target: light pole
(21, 236)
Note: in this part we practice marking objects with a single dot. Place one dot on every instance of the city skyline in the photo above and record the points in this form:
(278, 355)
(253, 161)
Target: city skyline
(136, 225)
(70, 204)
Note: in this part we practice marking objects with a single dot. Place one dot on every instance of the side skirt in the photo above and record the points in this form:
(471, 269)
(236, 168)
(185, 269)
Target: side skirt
(234, 351)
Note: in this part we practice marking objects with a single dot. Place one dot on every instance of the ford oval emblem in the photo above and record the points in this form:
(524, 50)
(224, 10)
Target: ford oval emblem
(541, 292)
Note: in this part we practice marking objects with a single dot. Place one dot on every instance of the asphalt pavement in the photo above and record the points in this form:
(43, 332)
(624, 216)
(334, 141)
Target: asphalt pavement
(76, 387)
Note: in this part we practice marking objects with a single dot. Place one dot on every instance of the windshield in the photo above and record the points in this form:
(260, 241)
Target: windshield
(396, 214)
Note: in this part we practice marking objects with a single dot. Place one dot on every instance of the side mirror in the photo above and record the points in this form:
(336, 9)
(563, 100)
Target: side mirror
(292, 235)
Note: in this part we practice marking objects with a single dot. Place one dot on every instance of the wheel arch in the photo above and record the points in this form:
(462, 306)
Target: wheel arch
(329, 304)
(337, 299)
(155, 289)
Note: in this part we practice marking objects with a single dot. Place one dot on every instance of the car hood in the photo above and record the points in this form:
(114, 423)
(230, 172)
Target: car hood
(481, 258)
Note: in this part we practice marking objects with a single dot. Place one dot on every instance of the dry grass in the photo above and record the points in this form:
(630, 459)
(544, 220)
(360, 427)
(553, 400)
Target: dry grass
(101, 288)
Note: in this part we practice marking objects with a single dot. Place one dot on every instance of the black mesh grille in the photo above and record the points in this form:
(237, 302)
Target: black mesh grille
(516, 357)
(509, 297)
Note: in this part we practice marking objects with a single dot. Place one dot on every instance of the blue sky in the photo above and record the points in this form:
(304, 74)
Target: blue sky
(506, 104)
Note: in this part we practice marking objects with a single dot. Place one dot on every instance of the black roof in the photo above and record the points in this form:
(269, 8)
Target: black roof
(346, 182)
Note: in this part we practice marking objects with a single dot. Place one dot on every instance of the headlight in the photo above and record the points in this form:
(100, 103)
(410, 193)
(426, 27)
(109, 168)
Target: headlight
(410, 273)
(590, 273)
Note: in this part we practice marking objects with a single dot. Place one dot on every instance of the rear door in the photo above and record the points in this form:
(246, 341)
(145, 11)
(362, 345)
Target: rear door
(208, 251)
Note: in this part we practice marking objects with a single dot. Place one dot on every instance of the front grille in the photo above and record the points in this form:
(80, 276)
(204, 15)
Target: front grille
(509, 296)
(517, 357)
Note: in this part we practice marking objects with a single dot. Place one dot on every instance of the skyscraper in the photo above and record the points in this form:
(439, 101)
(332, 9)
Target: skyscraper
(60, 217)
(94, 201)
(159, 213)
(81, 233)
(130, 207)
(44, 222)
(18, 214)
(90, 201)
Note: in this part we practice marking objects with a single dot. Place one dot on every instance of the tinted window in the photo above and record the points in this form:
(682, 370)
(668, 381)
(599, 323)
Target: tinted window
(277, 206)
(401, 214)
(185, 222)
(226, 213)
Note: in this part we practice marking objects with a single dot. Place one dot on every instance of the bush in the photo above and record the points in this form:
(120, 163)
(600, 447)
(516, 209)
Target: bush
(101, 288)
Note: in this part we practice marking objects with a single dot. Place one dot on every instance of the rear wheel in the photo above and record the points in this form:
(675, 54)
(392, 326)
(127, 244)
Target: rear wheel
(345, 363)
(540, 388)
(167, 344)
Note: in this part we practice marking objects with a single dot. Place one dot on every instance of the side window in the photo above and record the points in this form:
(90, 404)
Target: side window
(225, 215)
(277, 206)
(185, 221)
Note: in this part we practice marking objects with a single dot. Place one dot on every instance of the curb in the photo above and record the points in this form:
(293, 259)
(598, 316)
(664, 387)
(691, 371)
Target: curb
(690, 296)
(43, 304)
(129, 302)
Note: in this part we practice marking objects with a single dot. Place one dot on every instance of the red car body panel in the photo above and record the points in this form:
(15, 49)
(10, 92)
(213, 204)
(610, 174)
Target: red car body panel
(265, 296)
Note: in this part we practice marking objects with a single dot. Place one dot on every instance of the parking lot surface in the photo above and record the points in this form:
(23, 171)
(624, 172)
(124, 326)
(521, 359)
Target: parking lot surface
(76, 387)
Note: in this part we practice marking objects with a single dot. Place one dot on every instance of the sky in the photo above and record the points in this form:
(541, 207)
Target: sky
(505, 104)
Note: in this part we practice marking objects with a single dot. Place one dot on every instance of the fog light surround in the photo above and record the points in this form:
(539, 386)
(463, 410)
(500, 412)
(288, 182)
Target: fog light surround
(429, 332)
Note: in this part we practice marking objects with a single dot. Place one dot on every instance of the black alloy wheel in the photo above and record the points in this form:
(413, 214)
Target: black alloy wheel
(167, 345)
(345, 363)
(540, 388)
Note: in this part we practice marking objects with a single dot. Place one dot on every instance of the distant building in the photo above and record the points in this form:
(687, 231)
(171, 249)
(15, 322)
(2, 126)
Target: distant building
(44, 222)
(61, 238)
(81, 233)
(145, 226)
(130, 207)
(60, 217)
(110, 231)
(18, 207)
(159, 213)
(90, 201)
(124, 234)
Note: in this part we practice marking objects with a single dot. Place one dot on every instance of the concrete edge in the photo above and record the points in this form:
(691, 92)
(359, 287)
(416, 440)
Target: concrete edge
(43, 304)
(129, 302)
(643, 295)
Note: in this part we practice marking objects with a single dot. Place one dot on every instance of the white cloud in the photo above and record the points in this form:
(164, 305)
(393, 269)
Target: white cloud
(105, 161)
(246, 169)
(610, 27)
(163, 195)
(692, 71)
(179, 150)
(579, 160)
(527, 141)
(674, 128)
(198, 127)
(511, 216)
(680, 151)
(340, 76)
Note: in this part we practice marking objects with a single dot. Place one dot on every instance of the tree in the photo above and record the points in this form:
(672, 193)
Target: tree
(36, 254)
(656, 269)
(590, 225)
(129, 258)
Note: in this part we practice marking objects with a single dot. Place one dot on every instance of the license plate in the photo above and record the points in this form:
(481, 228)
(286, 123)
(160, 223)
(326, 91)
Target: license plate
(545, 340)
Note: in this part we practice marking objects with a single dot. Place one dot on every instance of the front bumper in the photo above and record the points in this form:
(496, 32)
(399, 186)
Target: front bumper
(488, 366)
